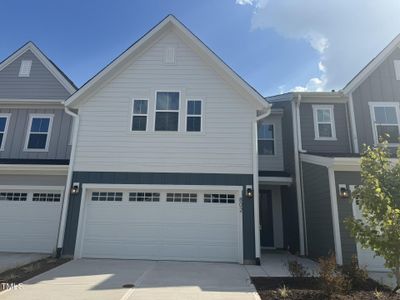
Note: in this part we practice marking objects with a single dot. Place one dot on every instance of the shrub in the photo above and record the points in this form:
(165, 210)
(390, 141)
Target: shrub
(357, 275)
(296, 269)
(332, 279)
(283, 292)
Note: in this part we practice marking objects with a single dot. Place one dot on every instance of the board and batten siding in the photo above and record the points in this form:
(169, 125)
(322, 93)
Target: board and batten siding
(105, 142)
(59, 147)
(341, 145)
(380, 86)
(41, 84)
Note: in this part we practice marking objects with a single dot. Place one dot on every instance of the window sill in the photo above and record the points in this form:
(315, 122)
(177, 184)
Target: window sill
(36, 150)
(326, 139)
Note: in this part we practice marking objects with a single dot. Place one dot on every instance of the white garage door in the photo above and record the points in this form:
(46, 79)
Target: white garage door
(29, 219)
(159, 224)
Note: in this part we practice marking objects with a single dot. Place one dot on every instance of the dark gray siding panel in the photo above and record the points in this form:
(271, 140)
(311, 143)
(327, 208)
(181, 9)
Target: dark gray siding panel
(346, 211)
(317, 210)
(59, 147)
(380, 86)
(41, 84)
(341, 145)
(163, 178)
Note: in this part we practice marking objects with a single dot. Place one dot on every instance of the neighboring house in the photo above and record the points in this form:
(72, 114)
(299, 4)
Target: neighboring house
(330, 130)
(34, 150)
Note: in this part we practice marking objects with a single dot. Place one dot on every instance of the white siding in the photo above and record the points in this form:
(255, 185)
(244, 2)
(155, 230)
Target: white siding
(105, 142)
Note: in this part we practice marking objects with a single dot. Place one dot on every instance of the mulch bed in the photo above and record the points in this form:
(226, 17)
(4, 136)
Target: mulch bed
(310, 288)
(25, 272)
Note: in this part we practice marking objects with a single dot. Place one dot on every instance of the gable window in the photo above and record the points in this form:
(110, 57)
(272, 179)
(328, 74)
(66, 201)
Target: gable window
(167, 111)
(266, 139)
(324, 122)
(139, 115)
(39, 130)
(397, 69)
(193, 117)
(385, 121)
(25, 68)
(3, 129)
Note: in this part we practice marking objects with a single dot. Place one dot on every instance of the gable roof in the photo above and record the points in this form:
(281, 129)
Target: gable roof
(170, 20)
(52, 67)
(372, 66)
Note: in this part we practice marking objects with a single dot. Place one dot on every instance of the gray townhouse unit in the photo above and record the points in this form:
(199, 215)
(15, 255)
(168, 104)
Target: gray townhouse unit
(168, 154)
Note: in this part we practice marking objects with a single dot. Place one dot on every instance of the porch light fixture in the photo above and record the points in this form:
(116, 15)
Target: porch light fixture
(75, 188)
(343, 191)
(249, 191)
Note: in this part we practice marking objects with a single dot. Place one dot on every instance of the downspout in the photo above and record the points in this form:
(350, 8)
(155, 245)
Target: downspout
(353, 124)
(64, 211)
(256, 193)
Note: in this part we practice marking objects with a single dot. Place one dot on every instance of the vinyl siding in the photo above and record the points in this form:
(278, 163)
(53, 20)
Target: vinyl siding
(380, 86)
(105, 142)
(59, 147)
(341, 145)
(26, 180)
(41, 84)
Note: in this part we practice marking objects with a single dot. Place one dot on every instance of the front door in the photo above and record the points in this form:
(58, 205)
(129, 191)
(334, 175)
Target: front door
(266, 219)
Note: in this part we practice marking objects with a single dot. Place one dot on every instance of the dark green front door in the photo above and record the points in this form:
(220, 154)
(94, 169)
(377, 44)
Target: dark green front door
(266, 219)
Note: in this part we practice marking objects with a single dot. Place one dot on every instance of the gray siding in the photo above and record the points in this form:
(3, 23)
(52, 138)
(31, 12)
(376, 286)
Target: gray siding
(38, 180)
(346, 211)
(163, 178)
(41, 84)
(317, 210)
(341, 145)
(380, 86)
(59, 147)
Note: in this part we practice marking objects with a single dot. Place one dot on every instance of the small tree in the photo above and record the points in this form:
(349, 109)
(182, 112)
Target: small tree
(378, 197)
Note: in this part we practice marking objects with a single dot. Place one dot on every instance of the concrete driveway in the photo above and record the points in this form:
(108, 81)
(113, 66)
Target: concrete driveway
(103, 279)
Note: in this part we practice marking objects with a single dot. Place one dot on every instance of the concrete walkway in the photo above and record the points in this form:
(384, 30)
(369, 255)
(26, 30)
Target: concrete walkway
(13, 260)
(103, 279)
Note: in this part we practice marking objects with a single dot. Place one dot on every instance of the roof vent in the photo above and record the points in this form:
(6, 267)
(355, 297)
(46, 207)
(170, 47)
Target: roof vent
(169, 55)
(25, 68)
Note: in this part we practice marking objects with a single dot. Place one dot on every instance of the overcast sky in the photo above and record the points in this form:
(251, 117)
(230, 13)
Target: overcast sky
(276, 45)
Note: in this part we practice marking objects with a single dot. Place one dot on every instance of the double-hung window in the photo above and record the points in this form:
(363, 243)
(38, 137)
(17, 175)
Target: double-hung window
(266, 139)
(3, 129)
(193, 117)
(39, 131)
(139, 115)
(167, 111)
(385, 121)
(324, 122)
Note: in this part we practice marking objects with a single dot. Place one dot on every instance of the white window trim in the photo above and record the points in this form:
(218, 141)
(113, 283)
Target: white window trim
(28, 132)
(316, 123)
(28, 74)
(178, 111)
(372, 105)
(142, 115)
(268, 139)
(3, 142)
(199, 116)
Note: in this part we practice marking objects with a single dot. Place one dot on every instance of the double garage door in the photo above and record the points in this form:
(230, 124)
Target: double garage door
(29, 218)
(173, 224)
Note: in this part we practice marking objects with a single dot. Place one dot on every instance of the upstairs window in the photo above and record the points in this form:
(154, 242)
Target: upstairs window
(167, 111)
(3, 129)
(324, 122)
(193, 117)
(25, 68)
(139, 116)
(266, 139)
(38, 132)
(385, 121)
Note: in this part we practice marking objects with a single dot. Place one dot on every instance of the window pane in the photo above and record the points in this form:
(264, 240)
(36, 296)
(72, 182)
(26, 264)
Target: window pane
(2, 124)
(391, 117)
(139, 123)
(40, 124)
(167, 101)
(140, 107)
(166, 121)
(1, 138)
(266, 131)
(37, 141)
(194, 107)
(193, 124)
(266, 147)
(389, 133)
(324, 115)
(325, 130)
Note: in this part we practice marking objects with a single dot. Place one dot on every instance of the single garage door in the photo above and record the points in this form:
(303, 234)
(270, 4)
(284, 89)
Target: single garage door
(29, 219)
(161, 224)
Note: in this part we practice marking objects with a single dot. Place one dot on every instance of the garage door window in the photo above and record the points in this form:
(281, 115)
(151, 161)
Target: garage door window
(13, 196)
(181, 197)
(144, 197)
(219, 198)
(46, 197)
(106, 196)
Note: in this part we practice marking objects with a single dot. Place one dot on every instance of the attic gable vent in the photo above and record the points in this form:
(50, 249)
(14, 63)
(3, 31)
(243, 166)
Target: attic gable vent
(397, 69)
(169, 55)
(25, 69)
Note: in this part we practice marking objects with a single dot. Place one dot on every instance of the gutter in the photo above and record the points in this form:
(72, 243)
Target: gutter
(64, 211)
